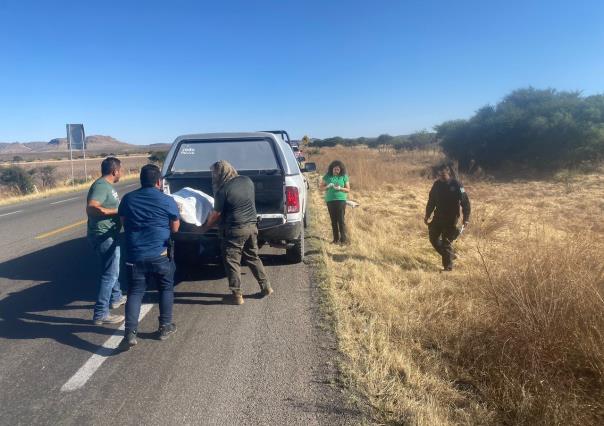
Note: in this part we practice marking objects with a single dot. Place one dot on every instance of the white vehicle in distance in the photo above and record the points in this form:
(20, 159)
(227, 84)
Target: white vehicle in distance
(293, 144)
(281, 191)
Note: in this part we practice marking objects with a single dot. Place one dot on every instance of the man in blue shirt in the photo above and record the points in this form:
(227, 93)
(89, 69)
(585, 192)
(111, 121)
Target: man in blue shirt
(149, 216)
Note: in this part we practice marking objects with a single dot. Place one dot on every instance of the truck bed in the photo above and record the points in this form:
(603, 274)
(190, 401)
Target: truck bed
(268, 187)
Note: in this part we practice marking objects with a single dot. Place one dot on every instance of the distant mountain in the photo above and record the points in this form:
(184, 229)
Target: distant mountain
(93, 143)
(160, 146)
(14, 148)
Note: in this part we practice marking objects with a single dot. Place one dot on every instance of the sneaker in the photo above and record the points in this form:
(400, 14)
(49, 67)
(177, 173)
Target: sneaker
(109, 319)
(233, 299)
(165, 331)
(128, 341)
(267, 291)
(120, 302)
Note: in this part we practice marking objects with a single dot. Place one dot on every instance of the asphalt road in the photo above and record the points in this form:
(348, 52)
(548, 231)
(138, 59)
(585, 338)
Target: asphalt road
(269, 361)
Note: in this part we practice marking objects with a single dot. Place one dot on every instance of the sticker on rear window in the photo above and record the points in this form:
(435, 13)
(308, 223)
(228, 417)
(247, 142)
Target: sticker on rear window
(188, 150)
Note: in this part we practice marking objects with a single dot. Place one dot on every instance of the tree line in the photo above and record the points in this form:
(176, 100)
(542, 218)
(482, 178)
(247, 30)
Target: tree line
(541, 129)
(418, 140)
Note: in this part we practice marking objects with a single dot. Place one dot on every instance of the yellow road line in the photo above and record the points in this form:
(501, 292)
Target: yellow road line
(63, 229)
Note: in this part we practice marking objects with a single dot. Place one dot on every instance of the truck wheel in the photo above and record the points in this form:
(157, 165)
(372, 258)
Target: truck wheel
(296, 253)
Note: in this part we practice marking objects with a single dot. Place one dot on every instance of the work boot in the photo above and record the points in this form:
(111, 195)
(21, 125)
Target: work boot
(266, 291)
(128, 341)
(233, 299)
(109, 319)
(122, 301)
(166, 330)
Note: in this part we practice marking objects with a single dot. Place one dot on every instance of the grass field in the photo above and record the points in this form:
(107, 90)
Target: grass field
(512, 336)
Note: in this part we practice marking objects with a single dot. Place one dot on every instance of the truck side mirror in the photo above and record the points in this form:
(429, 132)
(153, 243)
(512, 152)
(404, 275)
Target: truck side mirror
(310, 167)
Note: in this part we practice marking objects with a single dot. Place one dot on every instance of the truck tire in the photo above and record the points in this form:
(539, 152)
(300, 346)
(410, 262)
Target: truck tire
(296, 253)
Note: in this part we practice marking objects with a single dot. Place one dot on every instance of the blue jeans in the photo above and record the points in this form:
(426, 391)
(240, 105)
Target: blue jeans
(108, 252)
(140, 274)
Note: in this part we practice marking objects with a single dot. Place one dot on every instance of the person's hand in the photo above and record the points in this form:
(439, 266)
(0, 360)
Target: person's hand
(337, 188)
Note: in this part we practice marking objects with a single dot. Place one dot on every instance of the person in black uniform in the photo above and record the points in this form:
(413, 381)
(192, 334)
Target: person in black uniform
(446, 197)
(235, 209)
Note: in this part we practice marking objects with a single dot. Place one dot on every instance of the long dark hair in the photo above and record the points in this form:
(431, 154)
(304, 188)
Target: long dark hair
(334, 164)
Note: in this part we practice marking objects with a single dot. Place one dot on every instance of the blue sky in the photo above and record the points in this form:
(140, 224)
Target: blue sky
(147, 71)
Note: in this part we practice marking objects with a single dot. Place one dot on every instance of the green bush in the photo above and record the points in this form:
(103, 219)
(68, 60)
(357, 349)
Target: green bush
(542, 129)
(17, 179)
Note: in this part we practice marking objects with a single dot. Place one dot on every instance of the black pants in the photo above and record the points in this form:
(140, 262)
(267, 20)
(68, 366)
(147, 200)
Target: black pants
(241, 245)
(441, 234)
(337, 211)
(141, 275)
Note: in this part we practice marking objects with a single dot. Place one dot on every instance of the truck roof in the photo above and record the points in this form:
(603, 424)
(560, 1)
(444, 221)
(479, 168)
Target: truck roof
(234, 135)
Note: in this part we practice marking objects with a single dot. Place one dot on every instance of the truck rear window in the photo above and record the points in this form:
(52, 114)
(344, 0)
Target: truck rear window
(243, 155)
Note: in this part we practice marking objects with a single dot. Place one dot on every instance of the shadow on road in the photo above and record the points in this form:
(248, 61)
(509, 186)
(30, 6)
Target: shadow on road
(59, 288)
(61, 274)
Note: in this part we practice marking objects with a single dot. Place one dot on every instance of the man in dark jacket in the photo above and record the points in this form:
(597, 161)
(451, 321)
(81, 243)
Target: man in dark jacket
(235, 209)
(446, 197)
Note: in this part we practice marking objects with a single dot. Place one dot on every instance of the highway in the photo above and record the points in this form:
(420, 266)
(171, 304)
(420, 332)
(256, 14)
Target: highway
(269, 361)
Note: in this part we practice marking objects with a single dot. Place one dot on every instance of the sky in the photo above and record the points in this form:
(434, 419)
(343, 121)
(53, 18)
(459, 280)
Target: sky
(148, 71)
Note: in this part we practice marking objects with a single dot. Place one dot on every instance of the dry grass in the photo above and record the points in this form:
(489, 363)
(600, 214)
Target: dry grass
(130, 170)
(7, 199)
(512, 336)
(62, 173)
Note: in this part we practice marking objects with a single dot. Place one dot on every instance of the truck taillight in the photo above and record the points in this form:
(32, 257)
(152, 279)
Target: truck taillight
(292, 199)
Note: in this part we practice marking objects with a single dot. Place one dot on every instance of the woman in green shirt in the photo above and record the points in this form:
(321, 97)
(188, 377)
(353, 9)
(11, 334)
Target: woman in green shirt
(337, 186)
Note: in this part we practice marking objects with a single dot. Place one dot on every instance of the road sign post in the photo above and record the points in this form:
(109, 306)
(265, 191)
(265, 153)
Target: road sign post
(76, 139)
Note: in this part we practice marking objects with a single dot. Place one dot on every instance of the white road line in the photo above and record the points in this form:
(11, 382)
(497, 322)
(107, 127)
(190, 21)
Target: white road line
(7, 214)
(80, 378)
(64, 201)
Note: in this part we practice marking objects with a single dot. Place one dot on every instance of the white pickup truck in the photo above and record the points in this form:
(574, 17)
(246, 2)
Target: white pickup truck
(281, 191)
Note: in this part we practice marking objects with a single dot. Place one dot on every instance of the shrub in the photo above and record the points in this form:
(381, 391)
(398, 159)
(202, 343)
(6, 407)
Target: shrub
(47, 175)
(542, 129)
(17, 178)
